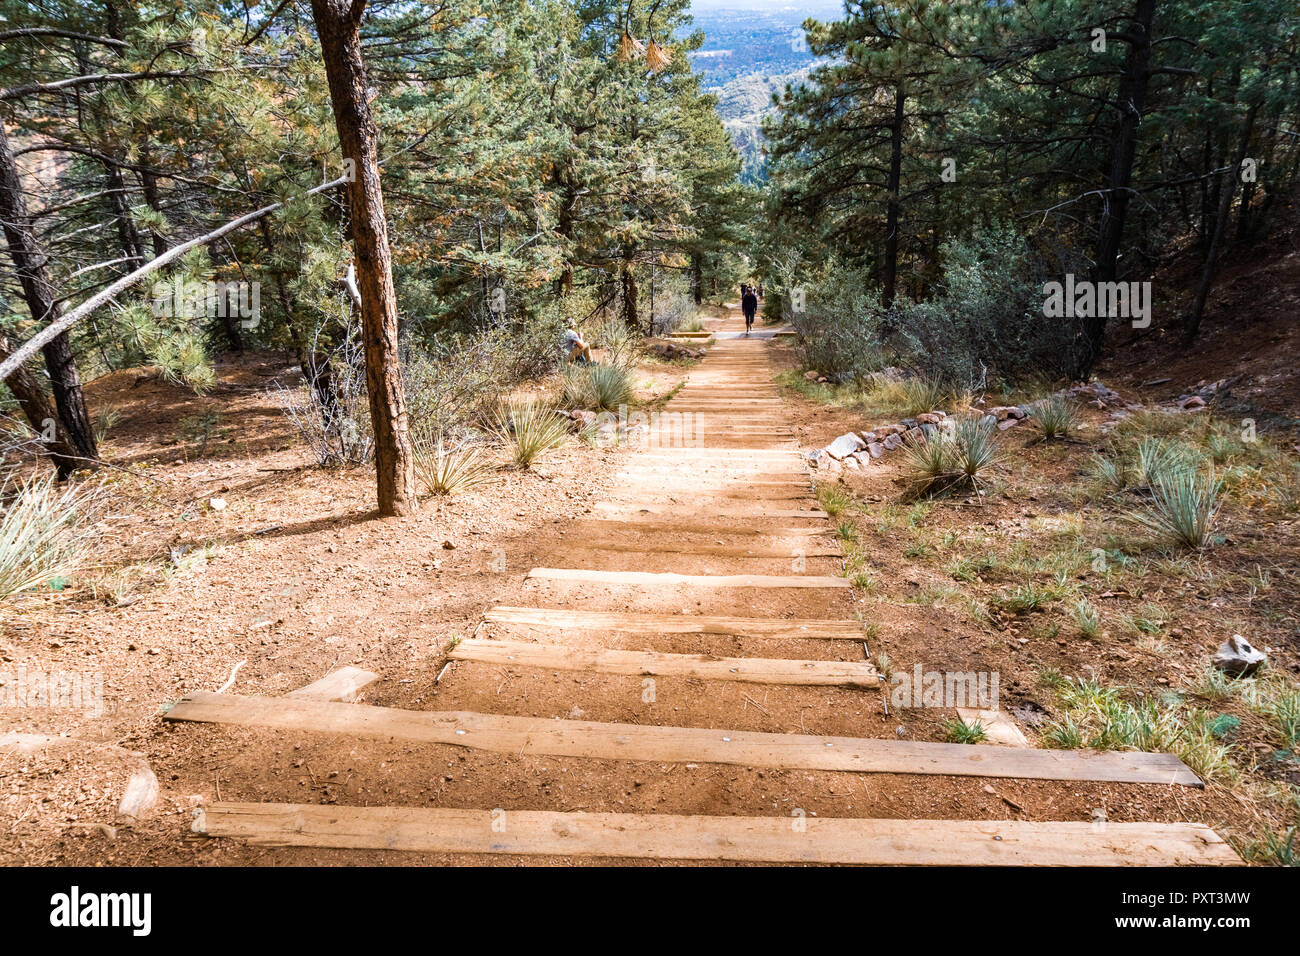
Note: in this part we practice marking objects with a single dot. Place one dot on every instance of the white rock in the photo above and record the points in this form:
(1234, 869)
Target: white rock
(845, 445)
(1237, 657)
(217, 504)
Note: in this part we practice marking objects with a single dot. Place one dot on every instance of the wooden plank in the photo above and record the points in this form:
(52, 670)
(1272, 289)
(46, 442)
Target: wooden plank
(676, 623)
(653, 579)
(998, 726)
(611, 741)
(720, 511)
(804, 550)
(344, 685)
(750, 670)
(662, 836)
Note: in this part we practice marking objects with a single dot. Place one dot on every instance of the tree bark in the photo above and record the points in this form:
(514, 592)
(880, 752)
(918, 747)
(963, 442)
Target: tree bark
(338, 25)
(697, 277)
(894, 188)
(1130, 102)
(1192, 321)
(628, 277)
(30, 264)
(36, 409)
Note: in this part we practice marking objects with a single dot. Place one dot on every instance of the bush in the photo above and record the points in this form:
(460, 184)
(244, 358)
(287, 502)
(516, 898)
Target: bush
(43, 532)
(450, 471)
(528, 429)
(599, 387)
(1055, 417)
(953, 459)
(1184, 502)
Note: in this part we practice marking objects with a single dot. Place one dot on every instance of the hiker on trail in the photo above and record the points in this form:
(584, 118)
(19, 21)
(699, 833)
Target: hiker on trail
(576, 350)
(748, 305)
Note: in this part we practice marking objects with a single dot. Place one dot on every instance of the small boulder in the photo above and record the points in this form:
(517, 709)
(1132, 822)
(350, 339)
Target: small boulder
(810, 376)
(1191, 401)
(875, 449)
(851, 462)
(217, 504)
(928, 418)
(892, 441)
(1008, 423)
(845, 445)
(1237, 657)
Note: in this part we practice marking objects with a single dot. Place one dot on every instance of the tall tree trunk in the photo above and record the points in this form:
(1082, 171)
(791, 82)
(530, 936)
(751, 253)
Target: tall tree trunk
(128, 236)
(30, 264)
(338, 24)
(894, 188)
(1192, 321)
(628, 276)
(32, 400)
(1130, 102)
(697, 277)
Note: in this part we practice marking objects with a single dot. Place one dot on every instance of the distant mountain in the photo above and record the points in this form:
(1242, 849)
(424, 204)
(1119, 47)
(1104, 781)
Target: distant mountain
(752, 49)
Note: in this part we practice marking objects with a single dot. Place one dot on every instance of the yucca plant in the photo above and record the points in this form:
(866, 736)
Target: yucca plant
(1055, 417)
(528, 429)
(450, 471)
(974, 444)
(43, 533)
(930, 463)
(599, 387)
(1184, 503)
(1152, 458)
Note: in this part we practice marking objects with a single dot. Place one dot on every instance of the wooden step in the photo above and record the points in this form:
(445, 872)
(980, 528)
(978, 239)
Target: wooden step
(659, 836)
(670, 579)
(611, 741)
(795, 550)
(750, 670)
(722, 511)
(676, 623)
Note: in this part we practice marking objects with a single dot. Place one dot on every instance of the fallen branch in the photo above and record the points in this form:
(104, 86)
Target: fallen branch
(54, 329)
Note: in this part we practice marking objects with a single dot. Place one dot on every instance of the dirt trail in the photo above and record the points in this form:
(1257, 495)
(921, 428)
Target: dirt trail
(720, 490)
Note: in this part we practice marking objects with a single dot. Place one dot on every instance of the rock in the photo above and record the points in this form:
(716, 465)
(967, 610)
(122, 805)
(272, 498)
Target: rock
(885, 430)
(892, 441)
(868, 437)
(851, 462)
(815, 456)
(863, 457)
(876, 450)
(584, 417)
(929, 430)
(1237, 657)
(449, 546)
(810, 376)
(1008, 423)
(1003, 412)
(909, 423)
(846, 444)
(988, 420)
(1191, 401)
(914, 434)
(822, 379)
(928, 418)
(217, 504)
(938, 414)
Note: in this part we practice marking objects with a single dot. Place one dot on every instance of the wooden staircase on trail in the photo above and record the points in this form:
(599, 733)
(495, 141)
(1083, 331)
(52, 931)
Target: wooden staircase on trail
(718, 545)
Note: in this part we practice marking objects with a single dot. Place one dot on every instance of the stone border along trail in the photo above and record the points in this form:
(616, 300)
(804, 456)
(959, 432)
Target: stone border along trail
(716, 546)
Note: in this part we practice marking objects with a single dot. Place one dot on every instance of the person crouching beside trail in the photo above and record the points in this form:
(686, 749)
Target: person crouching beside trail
(749, 305)
(576, 350)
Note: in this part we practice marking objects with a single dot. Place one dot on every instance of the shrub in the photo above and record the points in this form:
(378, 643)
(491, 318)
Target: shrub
(43, 533)
(1055, 417)
(1184, 502)
(450, 471)
(529, 429)
(599, 387)
(953, 459)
